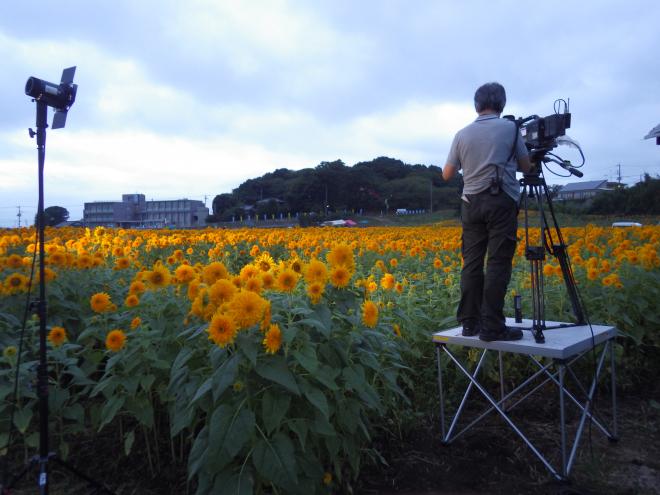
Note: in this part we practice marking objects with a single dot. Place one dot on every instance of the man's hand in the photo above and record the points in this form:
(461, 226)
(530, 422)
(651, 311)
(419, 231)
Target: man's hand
(449, 171)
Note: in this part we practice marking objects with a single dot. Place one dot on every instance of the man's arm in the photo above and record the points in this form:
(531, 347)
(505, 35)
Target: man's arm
(449, 171)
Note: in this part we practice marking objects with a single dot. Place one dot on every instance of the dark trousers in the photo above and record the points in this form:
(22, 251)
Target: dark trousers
(490, 224)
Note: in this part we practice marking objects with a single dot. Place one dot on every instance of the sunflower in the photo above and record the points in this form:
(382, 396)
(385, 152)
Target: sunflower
(15, 261)
(222, 329)
(341, 255)
(136, 322)
(268, 280)
(159, 277)
(315, 291)
(137, 287)
(247, 308)
(131, 301)
(264, 262)
(222, 291)
(248, 271)
(100, 302)
(316, 271)
(340, 276)
(287, 280)
(184, 274)
(57, 336)
(115, 340)
(369, 314)
(396, 329)
(214, 272)
(254, 284)
(9, 352)
(296, 265)
(387, 282)
(122, 263)
(57, 258)
(273, 339)
(16, 282)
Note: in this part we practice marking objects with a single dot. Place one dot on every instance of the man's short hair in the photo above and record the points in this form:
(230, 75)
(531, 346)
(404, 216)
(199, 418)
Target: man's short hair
(490, 96)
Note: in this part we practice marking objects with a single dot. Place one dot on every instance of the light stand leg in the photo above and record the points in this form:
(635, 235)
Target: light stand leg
(615, 432)
(42, 373)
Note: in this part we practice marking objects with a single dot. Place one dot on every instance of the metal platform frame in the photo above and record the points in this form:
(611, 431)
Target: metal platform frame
(566, 346)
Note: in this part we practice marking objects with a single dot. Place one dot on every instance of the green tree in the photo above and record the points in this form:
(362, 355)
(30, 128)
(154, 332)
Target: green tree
(53, 215)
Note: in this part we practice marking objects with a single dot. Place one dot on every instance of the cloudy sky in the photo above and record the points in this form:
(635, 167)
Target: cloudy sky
(191, 98)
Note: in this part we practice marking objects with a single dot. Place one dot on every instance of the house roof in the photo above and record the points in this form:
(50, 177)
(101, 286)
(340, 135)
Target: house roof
(655, 132)
(588, 185)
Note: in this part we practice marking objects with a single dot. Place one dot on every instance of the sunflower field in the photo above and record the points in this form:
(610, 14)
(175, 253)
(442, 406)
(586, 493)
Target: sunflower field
(267, 360)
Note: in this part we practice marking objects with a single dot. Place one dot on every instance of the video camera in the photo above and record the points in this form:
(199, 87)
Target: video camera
(541, 133)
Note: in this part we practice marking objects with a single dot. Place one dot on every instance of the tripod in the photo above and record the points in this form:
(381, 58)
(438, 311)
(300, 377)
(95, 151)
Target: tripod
(534, 188)
(43, 459)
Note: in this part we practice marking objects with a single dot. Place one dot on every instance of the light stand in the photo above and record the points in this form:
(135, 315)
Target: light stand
(60, 97)
(550, 240)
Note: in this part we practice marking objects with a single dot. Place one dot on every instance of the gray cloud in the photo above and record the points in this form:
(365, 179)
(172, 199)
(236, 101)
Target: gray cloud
(271, 84)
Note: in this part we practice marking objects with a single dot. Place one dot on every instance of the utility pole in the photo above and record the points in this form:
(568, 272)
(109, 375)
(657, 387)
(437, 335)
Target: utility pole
(205, 196)
(19, 215)
(619, 174)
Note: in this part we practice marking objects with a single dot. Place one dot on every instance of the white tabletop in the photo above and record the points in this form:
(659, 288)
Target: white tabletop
(560, 343)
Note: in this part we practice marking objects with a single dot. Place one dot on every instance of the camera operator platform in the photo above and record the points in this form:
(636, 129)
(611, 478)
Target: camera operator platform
(553, 361)
(562, 354)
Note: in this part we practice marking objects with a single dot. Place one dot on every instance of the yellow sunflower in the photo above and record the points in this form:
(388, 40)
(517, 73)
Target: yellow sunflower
(273, 339)
(340, 276)
(57, 336)
(214, 272)
(131, 301)
(287, 280)
(247, 308)
(100, 302)
(387, 282)
(136, 322)
(369, 314)
(315, 291)
(222, 291)
(341, 255)
(316, 271)
(222, 329)
(159, 277)
(15, 283)
(184, 274)
(115, 340)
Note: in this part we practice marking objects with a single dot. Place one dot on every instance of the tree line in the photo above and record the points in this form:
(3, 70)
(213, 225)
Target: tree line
(333, 188)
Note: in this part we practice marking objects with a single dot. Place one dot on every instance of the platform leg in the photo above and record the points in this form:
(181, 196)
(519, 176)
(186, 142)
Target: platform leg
(441, 391)
(615, 431)
(562, 418)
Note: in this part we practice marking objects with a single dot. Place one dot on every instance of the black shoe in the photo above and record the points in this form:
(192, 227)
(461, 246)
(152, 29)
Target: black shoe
(506, 333)
(471, 328)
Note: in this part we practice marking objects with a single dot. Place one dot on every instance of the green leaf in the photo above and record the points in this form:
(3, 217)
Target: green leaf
(110, 409)
(317, 398)
(79, 376)
(225, 376)
(75, 412)
(129, 438)
(240, 483)
(274, 368)
(274, 407)
(198, 452)
(248, 346)
(229, 430)
(300, 427)
(203, 389)
(146, 381)
(22, 418)
(275, 461)
(307, 358)
(326, 375)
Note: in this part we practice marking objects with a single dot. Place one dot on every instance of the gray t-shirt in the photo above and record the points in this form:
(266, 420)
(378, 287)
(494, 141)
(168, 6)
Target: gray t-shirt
(481, 147)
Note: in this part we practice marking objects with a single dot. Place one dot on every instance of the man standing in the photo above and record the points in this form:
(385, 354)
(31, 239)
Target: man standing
(489, 151)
